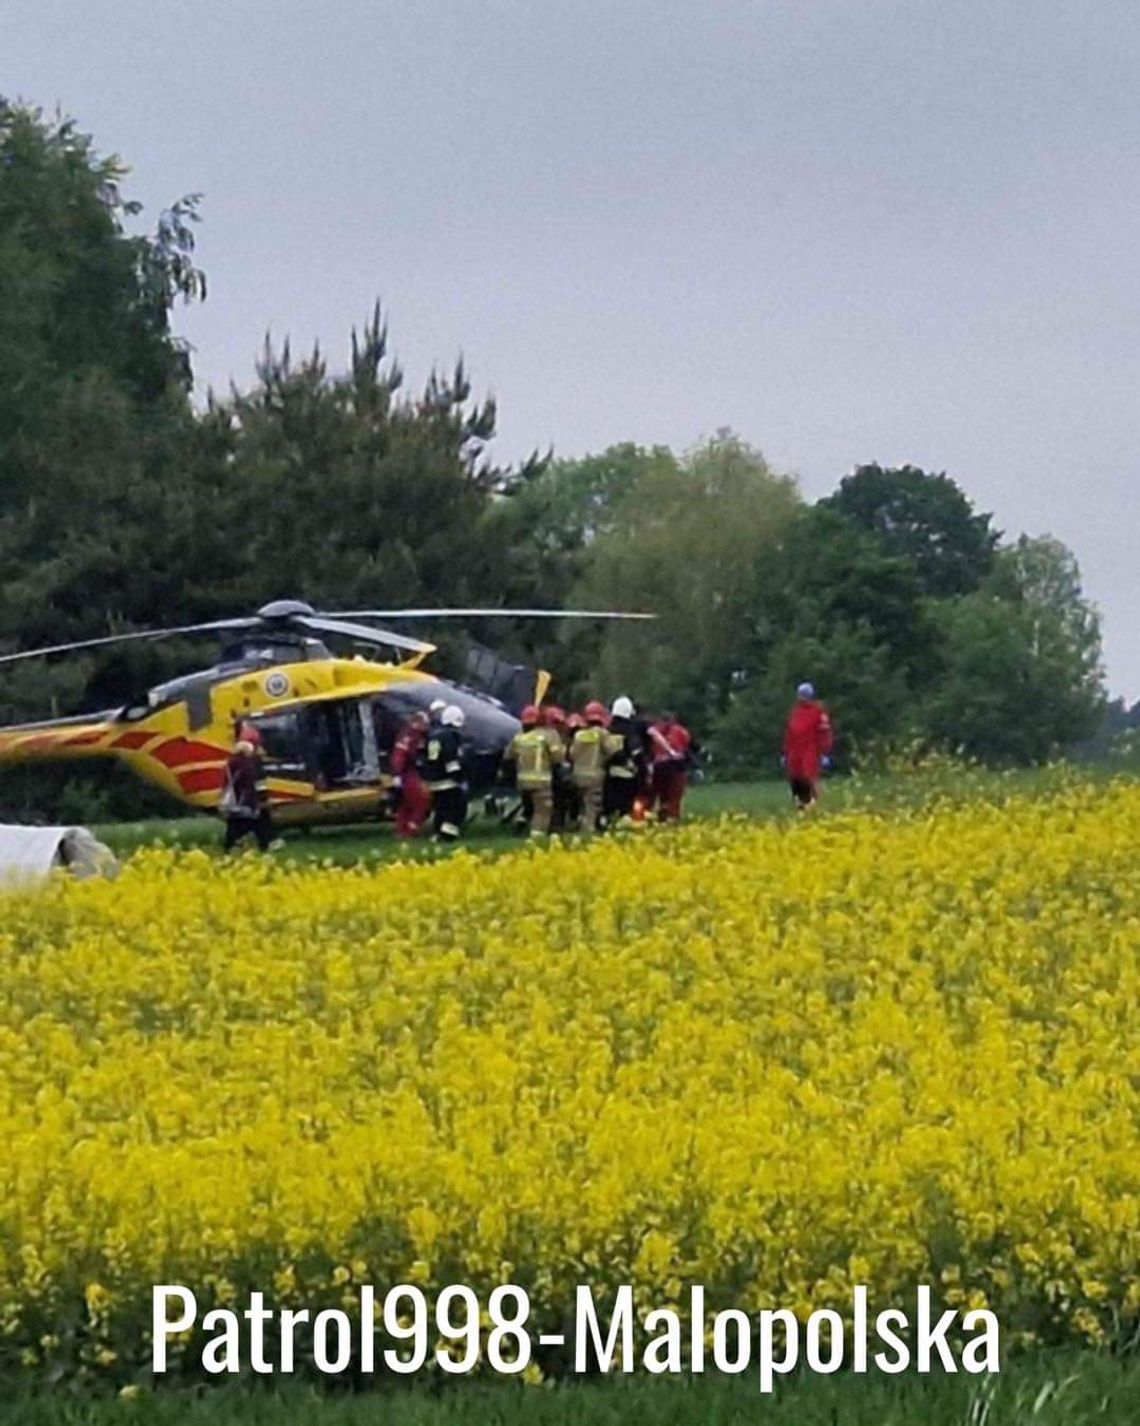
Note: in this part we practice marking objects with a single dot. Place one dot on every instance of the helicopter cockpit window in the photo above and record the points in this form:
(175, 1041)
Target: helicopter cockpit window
(282, 748)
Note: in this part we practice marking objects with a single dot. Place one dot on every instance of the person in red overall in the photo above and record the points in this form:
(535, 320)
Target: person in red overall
(414, 798)
(670, 743)
(808, 741)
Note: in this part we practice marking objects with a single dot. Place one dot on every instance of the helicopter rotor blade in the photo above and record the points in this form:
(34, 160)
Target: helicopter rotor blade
(139, 636)
(362, 633)
(340, 622)
(489, 614)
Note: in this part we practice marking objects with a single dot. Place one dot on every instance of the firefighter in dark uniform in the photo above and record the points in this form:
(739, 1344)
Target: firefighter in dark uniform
(625, 763)
(441, 767)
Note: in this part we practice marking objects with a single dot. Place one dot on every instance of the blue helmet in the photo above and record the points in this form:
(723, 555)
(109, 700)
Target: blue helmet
(806, 690)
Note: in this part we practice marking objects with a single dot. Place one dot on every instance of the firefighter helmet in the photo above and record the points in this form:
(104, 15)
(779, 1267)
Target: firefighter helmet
(596, 712)
(622, 707)
(453, 717)
(529, 716)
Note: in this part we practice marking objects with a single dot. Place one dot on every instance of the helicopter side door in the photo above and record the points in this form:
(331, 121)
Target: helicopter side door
(342, 744)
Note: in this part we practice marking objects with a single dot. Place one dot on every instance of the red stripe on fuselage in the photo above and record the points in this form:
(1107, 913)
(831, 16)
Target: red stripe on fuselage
(38, 744)
(132, 742)
(203, 779)
(84, 740)
(210, 779)
(177, 752)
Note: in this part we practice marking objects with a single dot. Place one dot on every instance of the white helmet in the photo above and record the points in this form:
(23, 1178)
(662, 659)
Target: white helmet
(436, 706)
(453, 717)
(622, 708)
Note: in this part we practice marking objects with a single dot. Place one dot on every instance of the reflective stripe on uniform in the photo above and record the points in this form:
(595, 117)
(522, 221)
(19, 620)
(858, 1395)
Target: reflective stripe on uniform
(588, 756)
(533, 757)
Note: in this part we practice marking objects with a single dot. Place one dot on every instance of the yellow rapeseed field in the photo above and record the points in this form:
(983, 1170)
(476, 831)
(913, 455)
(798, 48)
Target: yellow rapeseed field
(775, 1059)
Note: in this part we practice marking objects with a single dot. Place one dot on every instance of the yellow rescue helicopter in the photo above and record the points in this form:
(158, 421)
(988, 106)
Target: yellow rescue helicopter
(326, 723)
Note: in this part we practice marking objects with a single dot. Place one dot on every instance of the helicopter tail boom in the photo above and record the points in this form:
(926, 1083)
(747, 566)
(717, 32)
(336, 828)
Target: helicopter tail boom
(69, 738)
(188, 769)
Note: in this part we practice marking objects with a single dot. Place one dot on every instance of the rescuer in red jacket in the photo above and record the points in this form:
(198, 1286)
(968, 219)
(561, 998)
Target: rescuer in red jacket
(807, 746)
(414, 802)
(670, 744)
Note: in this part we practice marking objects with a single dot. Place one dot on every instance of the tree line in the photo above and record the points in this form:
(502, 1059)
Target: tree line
(123, 505)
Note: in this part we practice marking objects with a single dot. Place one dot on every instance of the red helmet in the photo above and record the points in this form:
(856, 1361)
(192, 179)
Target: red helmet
(247, 733)
(555, 716)
(529, 716)
(575, 720)
(596, 712)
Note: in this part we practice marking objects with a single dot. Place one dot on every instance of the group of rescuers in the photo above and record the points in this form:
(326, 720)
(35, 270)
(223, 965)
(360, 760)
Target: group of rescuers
(582, 771)
(573, 772)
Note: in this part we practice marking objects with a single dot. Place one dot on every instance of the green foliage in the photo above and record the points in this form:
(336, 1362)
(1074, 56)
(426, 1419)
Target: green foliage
(863, 686)
(93, 387)
(845, 614)
(1023, 677)
(1116, 738)
(554, 519)
(94, 405)
(77, 292)
(87, 794)
(923, 518)
(335, 487)
(695, 541)
(835, 575)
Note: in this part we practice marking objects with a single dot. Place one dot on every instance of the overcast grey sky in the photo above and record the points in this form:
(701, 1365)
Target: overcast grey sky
(853, 230)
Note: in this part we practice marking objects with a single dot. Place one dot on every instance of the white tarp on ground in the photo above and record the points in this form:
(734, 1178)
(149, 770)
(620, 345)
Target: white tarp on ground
(32, 853)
